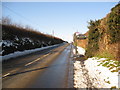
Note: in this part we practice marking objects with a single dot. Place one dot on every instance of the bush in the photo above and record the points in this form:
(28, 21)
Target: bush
(93, 38)
(110, 26)
(113, 23)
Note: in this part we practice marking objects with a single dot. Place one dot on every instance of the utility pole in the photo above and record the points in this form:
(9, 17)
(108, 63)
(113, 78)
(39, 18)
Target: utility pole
(75, 42)
(53, 35)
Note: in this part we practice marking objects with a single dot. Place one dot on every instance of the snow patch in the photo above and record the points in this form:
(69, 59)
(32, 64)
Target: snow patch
(106, 78)
(80, 51)
(100, 76)
(25, 52)
(79, 81)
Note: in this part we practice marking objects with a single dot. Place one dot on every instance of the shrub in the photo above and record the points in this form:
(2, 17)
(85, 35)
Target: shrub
(93, 38)
(113, 23)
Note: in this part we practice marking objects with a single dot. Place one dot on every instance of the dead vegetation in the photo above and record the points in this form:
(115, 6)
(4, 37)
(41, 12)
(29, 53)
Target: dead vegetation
(15, 37)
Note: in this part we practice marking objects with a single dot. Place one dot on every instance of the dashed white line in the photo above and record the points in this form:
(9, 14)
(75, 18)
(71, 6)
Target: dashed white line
(36, 60)
(28, 63)
(6, 74)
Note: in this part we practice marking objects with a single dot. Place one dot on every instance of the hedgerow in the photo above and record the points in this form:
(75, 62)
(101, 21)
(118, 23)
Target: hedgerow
(15, 38)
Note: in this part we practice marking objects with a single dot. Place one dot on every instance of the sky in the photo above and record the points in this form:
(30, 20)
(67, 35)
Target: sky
(64, 18)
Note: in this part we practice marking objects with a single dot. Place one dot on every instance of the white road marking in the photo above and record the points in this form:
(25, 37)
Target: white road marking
(9, 73)
(29, 63)
(6, 74)
(36, 60)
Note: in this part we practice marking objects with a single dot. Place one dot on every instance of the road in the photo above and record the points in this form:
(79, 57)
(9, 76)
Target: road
(51, 68)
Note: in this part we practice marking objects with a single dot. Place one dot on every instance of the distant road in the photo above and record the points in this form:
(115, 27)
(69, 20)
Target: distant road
(45, 69)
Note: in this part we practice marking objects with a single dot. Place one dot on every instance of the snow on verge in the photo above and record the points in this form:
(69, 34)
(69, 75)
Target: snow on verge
(25, 52)
(79, 78)
(100, 76)
(80, 50)
(106, 78)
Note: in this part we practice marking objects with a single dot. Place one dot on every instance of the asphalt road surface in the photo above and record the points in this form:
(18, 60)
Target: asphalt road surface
(50, 68)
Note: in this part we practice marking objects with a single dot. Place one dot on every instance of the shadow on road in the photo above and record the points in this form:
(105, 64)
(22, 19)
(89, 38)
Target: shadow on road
(17, 63)
(17, 73)
(26, 71)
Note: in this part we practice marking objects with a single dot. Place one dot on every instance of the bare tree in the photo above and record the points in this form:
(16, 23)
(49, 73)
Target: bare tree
(6, 21)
